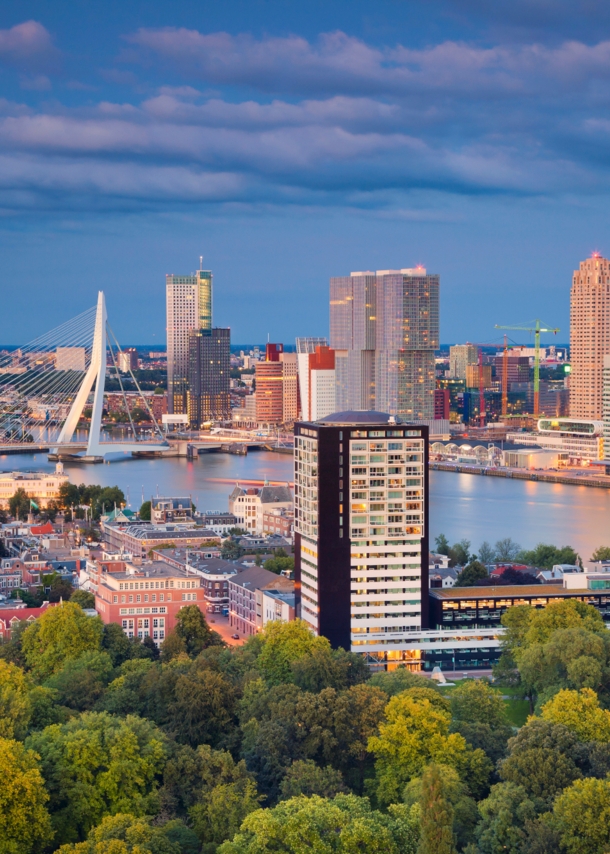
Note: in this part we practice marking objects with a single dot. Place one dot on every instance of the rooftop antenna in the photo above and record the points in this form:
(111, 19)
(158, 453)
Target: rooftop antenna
(201, 262)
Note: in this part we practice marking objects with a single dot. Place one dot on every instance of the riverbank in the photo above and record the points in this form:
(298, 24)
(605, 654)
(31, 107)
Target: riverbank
(572, 479)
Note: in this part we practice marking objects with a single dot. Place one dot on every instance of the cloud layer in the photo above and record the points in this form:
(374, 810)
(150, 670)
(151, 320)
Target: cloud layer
(334, 121)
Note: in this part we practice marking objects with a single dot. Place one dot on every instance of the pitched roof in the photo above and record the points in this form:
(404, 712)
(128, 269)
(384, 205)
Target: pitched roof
(47, 528)
(275, 494)
(259, 578)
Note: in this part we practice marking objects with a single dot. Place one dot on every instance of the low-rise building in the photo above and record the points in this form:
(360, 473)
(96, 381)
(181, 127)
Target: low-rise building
(11, 617)
(174, 511)
(280, 522)
(218, 521)
(246, 597)
(580, 438)
(144, 599)
(140, 539)
(278, 606)
(41, 486)
(251, 503)
(213, 571)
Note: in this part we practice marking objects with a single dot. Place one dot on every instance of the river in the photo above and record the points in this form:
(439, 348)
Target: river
(461, 505)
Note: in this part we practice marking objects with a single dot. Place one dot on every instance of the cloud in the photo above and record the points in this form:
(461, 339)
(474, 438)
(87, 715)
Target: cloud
(28, 47)
(354, 126)
(340, 64)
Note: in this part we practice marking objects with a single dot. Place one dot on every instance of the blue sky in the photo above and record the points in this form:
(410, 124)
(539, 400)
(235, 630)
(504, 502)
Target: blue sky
(291, 142)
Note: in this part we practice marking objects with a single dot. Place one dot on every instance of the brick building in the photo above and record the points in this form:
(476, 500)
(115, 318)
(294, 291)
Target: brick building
(144, 599)
(246, 611)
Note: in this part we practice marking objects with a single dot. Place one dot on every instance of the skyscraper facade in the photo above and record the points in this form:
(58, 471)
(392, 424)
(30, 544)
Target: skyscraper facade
(384, 328)
(589, 336)
(305, 347)
(209, 376)
(189, 306)
(361, 532)
(460, 356)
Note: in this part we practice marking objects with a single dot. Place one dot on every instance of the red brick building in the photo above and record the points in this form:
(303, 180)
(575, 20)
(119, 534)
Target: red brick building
(441, 404)
(10, 617)
(144, 600)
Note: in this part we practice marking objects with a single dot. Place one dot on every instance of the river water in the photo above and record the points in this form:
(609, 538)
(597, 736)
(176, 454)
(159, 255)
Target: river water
(461, 505)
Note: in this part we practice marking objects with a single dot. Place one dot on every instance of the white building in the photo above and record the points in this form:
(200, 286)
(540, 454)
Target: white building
(41, 487)
(189, 307)
(248, 505)
(606, 407)
(580, 438)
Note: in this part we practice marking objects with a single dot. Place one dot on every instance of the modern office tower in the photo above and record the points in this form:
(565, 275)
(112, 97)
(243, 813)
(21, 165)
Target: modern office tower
(128, 360)
(460, 356)
(209, 372)
(606, 407)
(361, 532)
(442, 404)
(273, 352)
(290, 387)
(384, 328)
(352, 337)
(517, 369)
(306, 346)
(589, 335)
(474, 375)
(189, 306)
(269, 378)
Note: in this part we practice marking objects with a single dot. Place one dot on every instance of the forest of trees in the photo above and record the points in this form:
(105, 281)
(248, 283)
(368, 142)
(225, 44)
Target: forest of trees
(110, 746)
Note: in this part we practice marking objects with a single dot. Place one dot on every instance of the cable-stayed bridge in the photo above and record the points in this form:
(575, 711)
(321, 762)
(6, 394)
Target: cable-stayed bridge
(50, 384)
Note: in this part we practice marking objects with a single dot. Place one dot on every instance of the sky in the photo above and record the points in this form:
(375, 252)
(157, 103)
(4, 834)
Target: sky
(291, 142)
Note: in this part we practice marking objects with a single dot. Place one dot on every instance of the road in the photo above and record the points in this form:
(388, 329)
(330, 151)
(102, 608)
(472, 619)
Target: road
(221, 625)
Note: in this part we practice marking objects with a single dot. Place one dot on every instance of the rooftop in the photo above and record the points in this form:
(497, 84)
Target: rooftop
(357, 416)
(506, 590)
(154, 569)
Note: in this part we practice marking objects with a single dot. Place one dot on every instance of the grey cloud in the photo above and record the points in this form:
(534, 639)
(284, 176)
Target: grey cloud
(28, 47)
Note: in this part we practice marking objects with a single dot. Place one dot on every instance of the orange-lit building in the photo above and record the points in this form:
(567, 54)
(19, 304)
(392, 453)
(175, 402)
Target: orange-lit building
(143, 599)
(589, 336)
(269, 392)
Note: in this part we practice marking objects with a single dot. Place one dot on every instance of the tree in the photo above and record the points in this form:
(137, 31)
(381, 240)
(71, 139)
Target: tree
(145, 511)
(19, 504)
(546, 556)
(68, 495)
(81, 681)
(279, 564)
(283, 644)
(204, 708)
(504, 815)
(15, 703)
(415, 733)
(580, 712)
(476, 701)
(329, 668)
(304, 777)
(442, 544)
(582, 812)
(231, 550)
(456, 794)
(83, 598)
(602, 553)
(544, 759)
(342, 825)
(220, 815)
(436, 815)
(506, 550)
(129, 834)
(394, 682)
(192, 628)
(471, 574)
(96, 765)
(172, 647)
(487, 553)
(60, 633)
(459, 553)
(25, 825)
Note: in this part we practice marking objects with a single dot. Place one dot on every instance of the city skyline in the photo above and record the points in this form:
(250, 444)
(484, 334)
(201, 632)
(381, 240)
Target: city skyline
(287, 147)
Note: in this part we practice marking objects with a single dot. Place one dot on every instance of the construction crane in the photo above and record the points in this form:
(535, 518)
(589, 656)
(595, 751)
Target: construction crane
(537, 329)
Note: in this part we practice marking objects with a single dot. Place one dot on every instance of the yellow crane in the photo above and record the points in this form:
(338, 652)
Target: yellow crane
(537, 329)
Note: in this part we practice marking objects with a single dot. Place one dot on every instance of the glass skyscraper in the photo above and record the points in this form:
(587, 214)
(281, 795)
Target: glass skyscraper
(384, 328)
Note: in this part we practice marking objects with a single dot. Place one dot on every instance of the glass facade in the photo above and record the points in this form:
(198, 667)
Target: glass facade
(385, 329)
(209, 376)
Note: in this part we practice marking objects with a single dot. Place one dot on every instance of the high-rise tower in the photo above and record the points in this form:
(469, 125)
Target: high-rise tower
(189, 307)
(361, 532)
(384, 328)
(589, 336)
